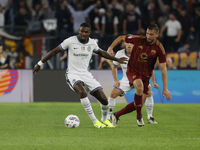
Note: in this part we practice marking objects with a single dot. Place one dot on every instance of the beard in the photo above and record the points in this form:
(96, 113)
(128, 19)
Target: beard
(150, 41)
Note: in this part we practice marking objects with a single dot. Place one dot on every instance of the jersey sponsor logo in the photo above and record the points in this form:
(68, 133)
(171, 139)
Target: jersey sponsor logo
(129, 37)
(83, 56)
(75, 48)
(143, 58)
(140, 47)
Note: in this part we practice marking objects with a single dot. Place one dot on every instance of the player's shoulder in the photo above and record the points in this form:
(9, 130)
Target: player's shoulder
(92, 41)
(71, 38)
(160, 46)
(158, 43)
(135, 36)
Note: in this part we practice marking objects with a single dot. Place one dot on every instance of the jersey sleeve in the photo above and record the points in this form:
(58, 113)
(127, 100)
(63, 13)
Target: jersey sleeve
(132, 38)
(65, 44)
(96, 47)
(115, 63)
(161, 54)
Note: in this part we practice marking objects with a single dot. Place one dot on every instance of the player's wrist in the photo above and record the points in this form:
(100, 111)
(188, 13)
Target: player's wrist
(40, 63)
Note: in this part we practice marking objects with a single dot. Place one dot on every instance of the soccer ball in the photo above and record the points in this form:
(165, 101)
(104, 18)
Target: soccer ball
(72, 121)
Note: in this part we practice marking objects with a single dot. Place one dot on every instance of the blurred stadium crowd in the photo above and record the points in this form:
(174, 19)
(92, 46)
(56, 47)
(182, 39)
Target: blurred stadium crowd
(30, 28)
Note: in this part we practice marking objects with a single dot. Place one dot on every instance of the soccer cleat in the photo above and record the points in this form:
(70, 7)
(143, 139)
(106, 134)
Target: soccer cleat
(140, 121)
(98, 124)
(108, 124)
(152, 121)
(114, 119)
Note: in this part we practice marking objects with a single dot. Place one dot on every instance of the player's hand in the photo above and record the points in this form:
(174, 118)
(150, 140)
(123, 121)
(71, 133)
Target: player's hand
(36, 69)
(167, 94)
(123, 60)
(110, 51)
(155, 85)
(116, 84)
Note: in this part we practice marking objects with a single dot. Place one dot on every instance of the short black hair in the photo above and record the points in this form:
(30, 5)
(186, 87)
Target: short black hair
(85, 24)
(153, 27)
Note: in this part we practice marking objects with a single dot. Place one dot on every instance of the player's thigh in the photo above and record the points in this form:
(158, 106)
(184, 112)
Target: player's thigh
(138, 85)
(124, 86)
(90, 82)
(116, 92)
(72, 79)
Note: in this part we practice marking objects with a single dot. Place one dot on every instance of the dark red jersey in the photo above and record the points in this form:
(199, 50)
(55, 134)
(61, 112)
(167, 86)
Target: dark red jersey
(144, 56)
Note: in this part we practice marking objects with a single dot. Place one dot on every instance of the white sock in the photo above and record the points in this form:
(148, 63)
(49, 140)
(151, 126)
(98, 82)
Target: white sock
(88, 108)
(149, 106)
(111, 106)
(104, 111)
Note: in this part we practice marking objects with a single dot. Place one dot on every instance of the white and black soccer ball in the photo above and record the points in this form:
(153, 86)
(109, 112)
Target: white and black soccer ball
(72, 121)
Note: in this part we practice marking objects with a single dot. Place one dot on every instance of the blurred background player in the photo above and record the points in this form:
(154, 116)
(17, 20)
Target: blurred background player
(4, 61)
(122, 87)
(80, 49)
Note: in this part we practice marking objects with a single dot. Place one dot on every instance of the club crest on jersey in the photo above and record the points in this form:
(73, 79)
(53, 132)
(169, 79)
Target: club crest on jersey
(83, 48)
(89, 49)
(129, 37)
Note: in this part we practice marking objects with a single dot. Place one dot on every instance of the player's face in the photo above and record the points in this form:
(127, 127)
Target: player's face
(129, 47)
(151, 36)
(84, 33)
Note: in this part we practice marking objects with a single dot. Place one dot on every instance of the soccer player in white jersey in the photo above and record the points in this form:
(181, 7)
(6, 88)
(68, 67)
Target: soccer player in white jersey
(122, 87)
(78, 77)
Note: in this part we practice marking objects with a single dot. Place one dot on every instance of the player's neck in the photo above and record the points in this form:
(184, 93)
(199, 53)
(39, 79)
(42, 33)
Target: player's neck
(153, 42)
(83, 41)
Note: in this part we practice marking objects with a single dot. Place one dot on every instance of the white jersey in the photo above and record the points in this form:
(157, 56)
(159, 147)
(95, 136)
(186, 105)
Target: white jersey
(121, 53)
(78, 54)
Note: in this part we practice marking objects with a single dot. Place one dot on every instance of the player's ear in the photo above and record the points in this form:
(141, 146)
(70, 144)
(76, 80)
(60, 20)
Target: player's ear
(157, 34)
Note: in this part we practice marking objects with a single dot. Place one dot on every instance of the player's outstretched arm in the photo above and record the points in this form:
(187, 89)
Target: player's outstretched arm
(163, 69)
(117, 41)
(48, 56)
(155, 85)
(106, 55)
(114, 73)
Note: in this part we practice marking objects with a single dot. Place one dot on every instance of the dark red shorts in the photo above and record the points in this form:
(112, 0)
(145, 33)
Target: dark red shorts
(132, 76)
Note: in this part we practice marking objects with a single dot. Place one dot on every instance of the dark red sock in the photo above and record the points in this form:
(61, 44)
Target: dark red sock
(127, 109)
(138, 104)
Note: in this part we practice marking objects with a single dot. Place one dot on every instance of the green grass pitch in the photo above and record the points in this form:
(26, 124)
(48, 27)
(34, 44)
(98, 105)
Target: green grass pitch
(40, 126)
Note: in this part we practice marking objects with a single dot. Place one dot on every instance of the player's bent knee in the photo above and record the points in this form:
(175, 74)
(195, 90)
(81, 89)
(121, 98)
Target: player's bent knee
(82, 94)
(139, 90)
(115, 94)
(104, 101)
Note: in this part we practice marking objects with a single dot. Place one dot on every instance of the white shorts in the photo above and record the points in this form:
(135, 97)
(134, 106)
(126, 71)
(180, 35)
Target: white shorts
(125, 86)
(90, 83)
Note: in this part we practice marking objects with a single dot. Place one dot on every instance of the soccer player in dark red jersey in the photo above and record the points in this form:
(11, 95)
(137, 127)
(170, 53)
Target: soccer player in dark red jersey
(145, 52)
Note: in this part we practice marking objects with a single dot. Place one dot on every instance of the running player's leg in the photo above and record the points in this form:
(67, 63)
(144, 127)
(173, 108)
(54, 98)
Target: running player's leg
(112, 101)
(99, 94)
(79, 88)
(139, 88)
(149, 103)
